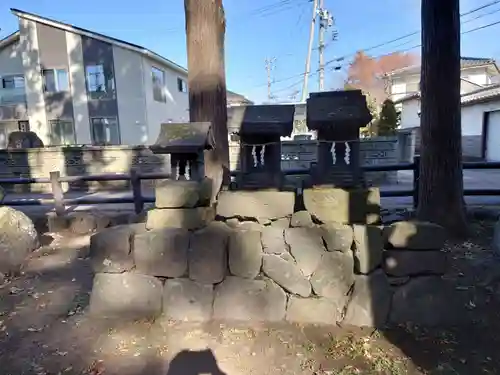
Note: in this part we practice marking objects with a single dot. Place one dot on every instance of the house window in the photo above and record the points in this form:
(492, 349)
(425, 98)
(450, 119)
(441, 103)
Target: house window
(158, 77)
(62, 132)
(181, 85)
(13, 82)
(55, 80)
(105, 131)
(100, 81)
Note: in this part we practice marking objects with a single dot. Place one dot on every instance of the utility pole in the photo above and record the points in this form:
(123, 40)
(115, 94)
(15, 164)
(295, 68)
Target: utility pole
(269, 67)
(322, 27)
(309, 51)
(325, 21)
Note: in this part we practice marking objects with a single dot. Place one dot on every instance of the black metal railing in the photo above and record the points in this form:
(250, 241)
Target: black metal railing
(138, 199)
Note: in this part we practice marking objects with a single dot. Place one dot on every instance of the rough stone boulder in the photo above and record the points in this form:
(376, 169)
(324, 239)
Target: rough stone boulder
(245, 253)
(283, 223)
(344, 206)
(286, 274)
(126, 295)
(306, 246)
(368, 248)
(338, 237)
(413, 263)
(187, 218)
(334, 276)
(255, 204)
(207, 256)
(273, 240)
(18, 238)
(427, 301)
(321, 311)
(415, 235)
(161, 252)
(370, 302)
(111, 250)
(187, 300)
(238, 299)
(182, 194)
(301, 219)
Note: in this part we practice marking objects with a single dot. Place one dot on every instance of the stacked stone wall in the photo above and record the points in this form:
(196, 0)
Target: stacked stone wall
(252, 258)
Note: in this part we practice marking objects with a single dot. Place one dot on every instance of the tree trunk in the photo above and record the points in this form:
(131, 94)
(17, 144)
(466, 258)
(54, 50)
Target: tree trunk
(441, 180)
(205, 29)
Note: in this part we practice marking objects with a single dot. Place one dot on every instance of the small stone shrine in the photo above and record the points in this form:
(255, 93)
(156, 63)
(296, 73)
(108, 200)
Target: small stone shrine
(185, 142)
(337, 117)
(260, 128)
(336, 192)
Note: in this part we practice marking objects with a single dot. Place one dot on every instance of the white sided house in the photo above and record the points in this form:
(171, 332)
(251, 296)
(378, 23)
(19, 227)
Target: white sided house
(480, 121)
(75, 86)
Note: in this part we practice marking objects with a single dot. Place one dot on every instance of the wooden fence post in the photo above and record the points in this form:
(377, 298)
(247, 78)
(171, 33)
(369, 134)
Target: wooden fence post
(57, 192)
(416, 180)
(136, 191)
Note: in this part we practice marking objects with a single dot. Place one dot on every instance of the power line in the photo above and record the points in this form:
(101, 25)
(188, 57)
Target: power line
(382, 55)
(416, 32)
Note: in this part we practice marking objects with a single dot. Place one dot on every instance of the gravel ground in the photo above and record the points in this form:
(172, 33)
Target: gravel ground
(44, 328)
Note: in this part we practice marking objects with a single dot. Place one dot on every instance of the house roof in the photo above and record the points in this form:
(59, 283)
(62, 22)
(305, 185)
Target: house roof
(465, 62)
(9, 39)
(92, 34)
(482, 95)
(473, 97)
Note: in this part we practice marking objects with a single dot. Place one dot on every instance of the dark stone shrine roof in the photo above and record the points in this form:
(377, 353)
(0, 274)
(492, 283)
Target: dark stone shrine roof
(181, 138)
(273, 119)
(337, 108)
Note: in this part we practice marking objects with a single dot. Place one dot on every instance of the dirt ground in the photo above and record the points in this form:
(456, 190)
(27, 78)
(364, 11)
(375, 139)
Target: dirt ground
(44, 329)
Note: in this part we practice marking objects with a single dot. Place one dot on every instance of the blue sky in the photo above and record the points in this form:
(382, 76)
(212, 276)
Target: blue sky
(262, 28)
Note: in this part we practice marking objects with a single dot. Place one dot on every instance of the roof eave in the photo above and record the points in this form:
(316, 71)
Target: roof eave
(103, 38)
(9, 39)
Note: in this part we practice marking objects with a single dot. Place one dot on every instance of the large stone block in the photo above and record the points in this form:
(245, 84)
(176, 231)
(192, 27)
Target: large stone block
(255, 204)
(427, 301)
(414, 263)
(207, 256)
(321, 311)
(338, 237)
(186, 300)
(182, 194)
(249, 300)
(110, 249)
(273, 240)
(334, 276)
(415, 235)
(245, 253)
(161, 252)
(306, 246)
(187, 218)
(346, 206)
(286, 274)
(18, 238)
(301, 219)
(126, 295)
(370, 302)
(368, 248)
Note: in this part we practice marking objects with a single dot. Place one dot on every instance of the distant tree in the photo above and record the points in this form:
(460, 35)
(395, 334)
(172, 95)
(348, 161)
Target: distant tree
(388, 119)
(441, 177)
(367, 73)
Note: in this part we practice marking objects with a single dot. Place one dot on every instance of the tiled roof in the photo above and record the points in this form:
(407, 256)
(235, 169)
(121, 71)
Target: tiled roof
(484, 94)
(465, 62)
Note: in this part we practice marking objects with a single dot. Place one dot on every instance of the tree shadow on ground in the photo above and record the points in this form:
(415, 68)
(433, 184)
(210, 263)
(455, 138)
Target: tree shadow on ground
(464, 338)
